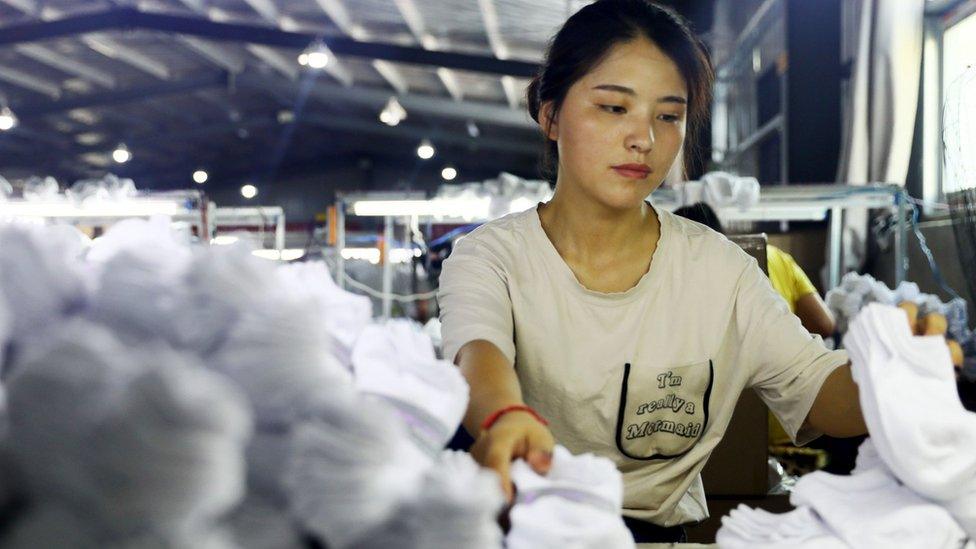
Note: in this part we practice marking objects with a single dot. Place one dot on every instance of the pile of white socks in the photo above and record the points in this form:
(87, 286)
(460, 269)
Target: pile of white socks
(577, 504)
(151, 381)
(911, 406)
(915, 480)
(167, 395)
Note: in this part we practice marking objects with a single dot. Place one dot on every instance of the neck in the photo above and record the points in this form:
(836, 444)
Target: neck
(582, 227)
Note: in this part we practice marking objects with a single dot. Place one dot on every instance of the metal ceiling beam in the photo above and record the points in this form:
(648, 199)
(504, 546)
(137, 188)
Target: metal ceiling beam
(225, 57)
(426, 105)
(523, 147)
(24, 80)
(273, 58)
(121, 96)
(337, 12)
(114, 50)
(127, 54)
(54, 59)
(279, 61)
(493, 30)
(27, 6)
(127, 18)
(266, 9)
(415, 21)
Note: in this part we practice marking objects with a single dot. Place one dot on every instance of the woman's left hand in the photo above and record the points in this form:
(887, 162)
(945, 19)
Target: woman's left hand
(933, 324)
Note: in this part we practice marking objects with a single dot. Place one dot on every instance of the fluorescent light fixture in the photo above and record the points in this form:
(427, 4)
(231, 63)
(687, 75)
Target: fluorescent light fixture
(249, 191)
(8, 120)
(200, 176)
(288, 254)
(466, 208)
(121, 154)
(426, 150)
(397, 255)
(449, 173)
(126, 208)
(224, 240)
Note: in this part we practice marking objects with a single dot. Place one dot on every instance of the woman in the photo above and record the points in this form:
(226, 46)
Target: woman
(785, 275)
(631, 330)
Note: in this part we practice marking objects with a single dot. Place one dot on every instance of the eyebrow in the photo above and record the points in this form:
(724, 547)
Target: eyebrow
(629, 91)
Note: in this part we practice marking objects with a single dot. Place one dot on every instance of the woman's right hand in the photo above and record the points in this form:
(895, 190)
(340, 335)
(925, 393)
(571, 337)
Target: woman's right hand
(516, 434)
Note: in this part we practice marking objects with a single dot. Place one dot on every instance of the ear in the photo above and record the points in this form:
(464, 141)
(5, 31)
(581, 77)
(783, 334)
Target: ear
(548, 122)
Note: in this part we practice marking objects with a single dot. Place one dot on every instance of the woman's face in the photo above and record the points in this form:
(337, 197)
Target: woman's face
(621, 126)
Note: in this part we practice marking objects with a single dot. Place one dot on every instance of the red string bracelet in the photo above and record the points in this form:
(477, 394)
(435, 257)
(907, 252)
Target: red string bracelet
(490, 420)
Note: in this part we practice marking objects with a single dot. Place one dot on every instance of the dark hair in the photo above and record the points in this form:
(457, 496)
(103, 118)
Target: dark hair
(589, 35)
(702, 213)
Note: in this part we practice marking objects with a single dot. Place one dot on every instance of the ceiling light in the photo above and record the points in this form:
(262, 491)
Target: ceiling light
(393, 113)
(473, 129)
(316, 56)
(200, 176)
(121, 154)
(425, 150)
(449, 173)
(249, 191)
(7, 119)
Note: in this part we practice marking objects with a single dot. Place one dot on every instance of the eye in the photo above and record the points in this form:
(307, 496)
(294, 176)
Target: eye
(670, 118)
(615, 109)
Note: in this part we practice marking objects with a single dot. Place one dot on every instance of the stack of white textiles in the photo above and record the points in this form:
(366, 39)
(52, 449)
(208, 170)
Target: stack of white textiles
(162, 394)
(915, 480)
(857, 291)
(577, 504)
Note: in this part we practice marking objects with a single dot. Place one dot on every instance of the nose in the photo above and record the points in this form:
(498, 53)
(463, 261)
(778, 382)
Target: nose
(641, 139)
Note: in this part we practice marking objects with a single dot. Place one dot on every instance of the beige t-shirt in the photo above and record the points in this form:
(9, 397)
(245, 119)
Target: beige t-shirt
(648, 377)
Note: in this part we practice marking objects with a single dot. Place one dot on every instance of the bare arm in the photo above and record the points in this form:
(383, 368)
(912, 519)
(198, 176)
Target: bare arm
(837, 411)
(492, 379)
(494, 385)
(814, 315)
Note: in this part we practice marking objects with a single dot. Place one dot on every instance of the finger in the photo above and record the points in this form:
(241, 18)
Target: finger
(499, 459)
(539, 454)
(955, 351)
(933, 324)
(911, 310)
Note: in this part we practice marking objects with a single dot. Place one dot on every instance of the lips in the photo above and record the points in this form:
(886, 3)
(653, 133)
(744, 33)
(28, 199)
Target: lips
(633, 171)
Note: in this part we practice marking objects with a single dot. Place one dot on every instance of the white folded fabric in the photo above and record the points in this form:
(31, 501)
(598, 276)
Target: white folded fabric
(723, 189)
(912, 408)
(577, 504)
(458, 507)
(344, 476)
(747, 528)
(396, 361)
(871, 509)
(260, 524)
(40, 279)
(132, 441)
(346, 313)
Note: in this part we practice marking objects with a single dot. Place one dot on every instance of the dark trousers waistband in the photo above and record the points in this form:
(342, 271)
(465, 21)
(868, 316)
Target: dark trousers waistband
(646, 532)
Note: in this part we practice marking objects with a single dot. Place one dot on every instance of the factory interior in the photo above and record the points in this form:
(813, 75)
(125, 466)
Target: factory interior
(452, 274)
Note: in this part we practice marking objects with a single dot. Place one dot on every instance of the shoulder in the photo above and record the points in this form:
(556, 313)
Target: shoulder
(702, 245)
(499, 241)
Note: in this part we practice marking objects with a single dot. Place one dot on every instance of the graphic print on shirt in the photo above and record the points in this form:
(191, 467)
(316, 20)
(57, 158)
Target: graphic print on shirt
(663, 411)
